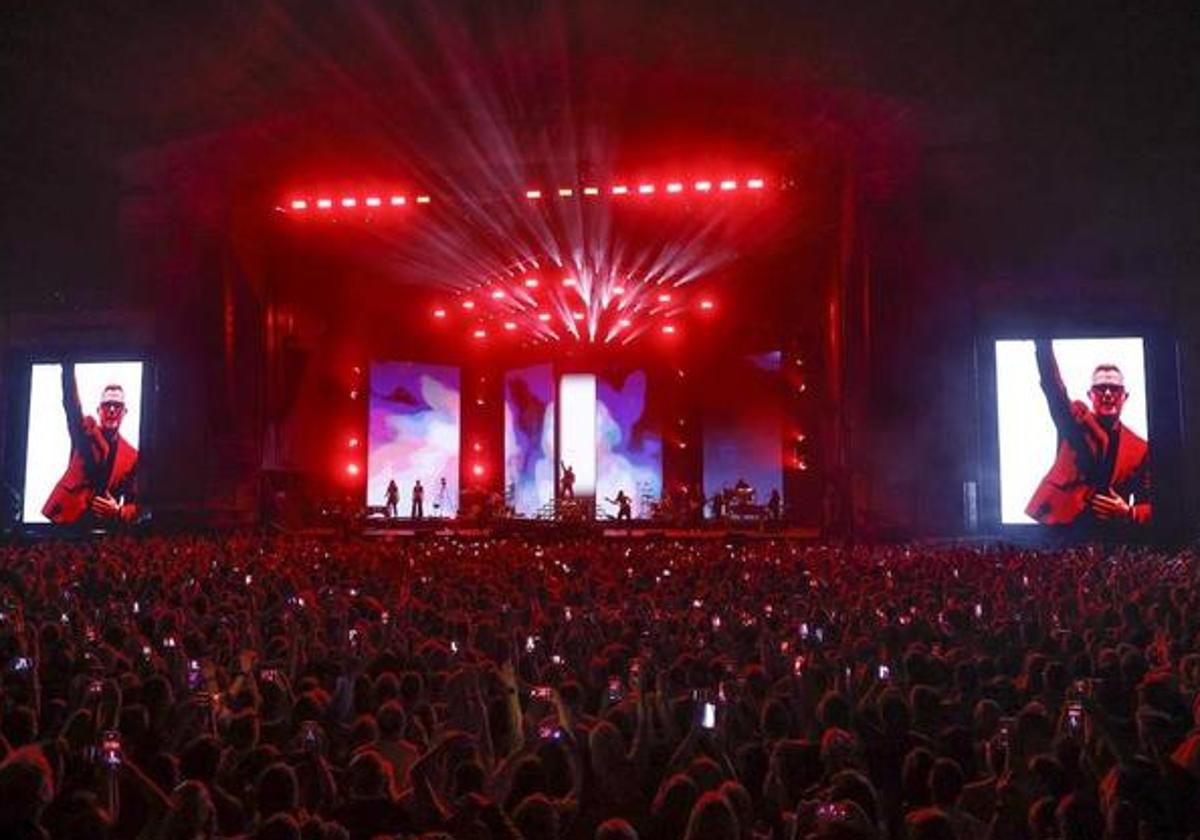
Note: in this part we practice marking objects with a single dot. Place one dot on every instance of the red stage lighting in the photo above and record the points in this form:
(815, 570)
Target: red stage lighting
(531, 283)
(510, 325)
(618, 291)
(569, 282)
(703, 186)
(352, 443)
(674, 187)
(477, 470)
(374, 201)
(578, 316)
(646, 189)
(668, 329)
(591, 191)
(620, 190)
(299, 204)
(349, 202)
(706, 304)
(533, 194)
(624, 322)
(729, 185)
(755, 184)
(664, 298)
(480, 333)
(439, 313)
(398, 201)
(498, 294)
(324, 203)
(468, 304)
(352, 469)
(423, 199)
(543, 317)
(566, 192)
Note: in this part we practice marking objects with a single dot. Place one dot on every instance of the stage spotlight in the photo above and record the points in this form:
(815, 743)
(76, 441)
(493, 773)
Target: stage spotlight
(498, 294)
(664, 298)
(352, 469)
(674, 187)
(617, 291)
(468, 304)
(477, 470)
(624, 323)
(703, 186)
(397, 201)
(706, 304)
(578, 316)
(729, 185)
(299, 204)
(352, 443)
(374, 201)
(646, 189)
(533, 194)
(591, 191)
(620, 190)
(349, 202)
(439, 313)
(755, 184)
(543, 317)
(668, 329)
(324, 203)
(569, 282)
(566, 192)
(423, 199)
(531, 283)
(510, 325)
(480, 333)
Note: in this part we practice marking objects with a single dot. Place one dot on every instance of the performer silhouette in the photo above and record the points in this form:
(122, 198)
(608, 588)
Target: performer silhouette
(624, 506)
(418, 501)
(392, 499)
(567, 483)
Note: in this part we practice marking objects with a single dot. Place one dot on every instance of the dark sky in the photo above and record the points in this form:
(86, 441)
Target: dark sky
(1067, 104)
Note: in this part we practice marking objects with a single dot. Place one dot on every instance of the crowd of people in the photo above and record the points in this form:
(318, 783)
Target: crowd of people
(274, 687)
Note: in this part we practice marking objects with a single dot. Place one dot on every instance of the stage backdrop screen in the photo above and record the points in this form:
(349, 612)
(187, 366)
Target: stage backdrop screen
(529, 438)
(743, 427)
(414, 435)
(1053, 453)
(69, 459)
(628, 444)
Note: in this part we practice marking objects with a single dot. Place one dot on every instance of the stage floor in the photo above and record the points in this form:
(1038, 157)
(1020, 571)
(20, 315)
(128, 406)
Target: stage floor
(401, 529)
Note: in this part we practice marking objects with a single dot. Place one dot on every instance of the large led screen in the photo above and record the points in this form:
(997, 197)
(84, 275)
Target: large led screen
(414, 436)
(628, 444)
(81, 454)
(1072, 429)
(743, 427)
(529, 438)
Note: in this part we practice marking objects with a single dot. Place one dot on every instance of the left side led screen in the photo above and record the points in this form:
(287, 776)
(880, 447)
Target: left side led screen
(414, 435)
(82, 443)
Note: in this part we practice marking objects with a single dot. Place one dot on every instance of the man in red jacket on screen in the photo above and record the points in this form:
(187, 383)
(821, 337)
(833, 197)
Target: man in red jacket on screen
(101, 478)
(1101, 473)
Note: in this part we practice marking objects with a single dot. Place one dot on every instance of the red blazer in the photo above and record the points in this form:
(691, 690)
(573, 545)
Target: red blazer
(1065, 493)
(71, 498)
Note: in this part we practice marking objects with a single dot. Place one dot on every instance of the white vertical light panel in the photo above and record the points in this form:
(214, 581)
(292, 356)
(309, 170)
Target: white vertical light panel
(577, 429)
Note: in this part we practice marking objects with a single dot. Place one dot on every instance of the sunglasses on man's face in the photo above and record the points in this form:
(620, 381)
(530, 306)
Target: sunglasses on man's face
(1109, 389)
(112, 407)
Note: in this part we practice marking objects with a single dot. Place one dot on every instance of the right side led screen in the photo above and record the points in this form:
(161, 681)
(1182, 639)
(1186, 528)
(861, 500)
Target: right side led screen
(1073, 433)
(743, 427)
